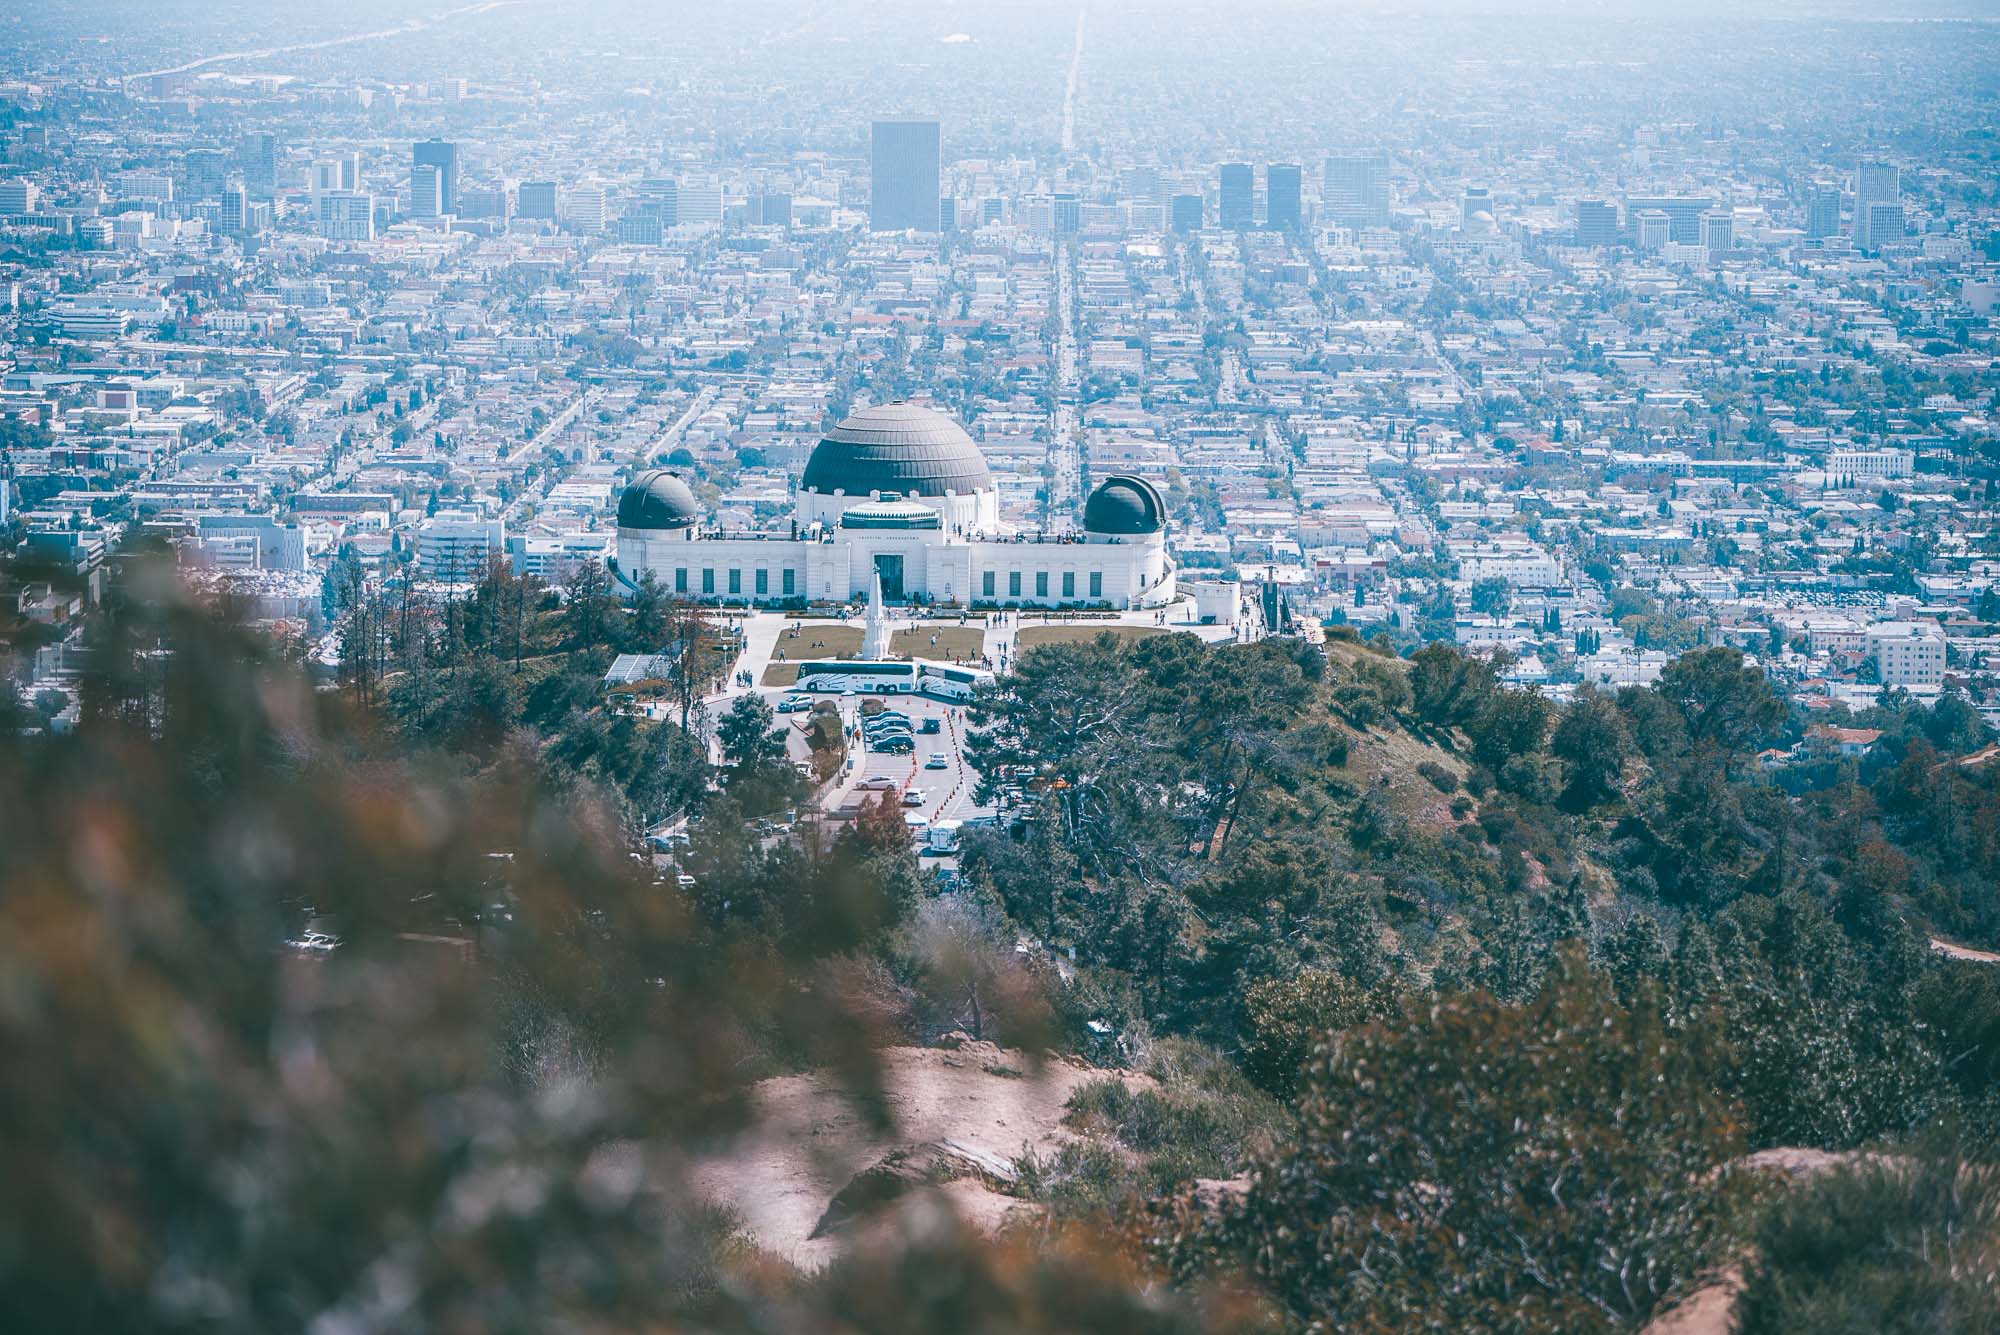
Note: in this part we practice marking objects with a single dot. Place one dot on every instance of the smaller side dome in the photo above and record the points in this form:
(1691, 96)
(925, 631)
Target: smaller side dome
(1124, 506)
(658, 498)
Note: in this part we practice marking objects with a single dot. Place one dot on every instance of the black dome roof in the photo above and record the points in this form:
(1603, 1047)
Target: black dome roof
(1123, 504)
(658, 499)
(897, 447)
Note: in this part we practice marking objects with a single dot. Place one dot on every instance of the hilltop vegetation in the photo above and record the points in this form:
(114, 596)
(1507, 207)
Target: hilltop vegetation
(1482, 996)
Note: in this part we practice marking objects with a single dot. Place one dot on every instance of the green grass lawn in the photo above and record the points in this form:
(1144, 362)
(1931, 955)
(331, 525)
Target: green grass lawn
(954, 642)
(819, 639)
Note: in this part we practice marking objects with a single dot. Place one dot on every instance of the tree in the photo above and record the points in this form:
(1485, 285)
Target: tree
(1284, 1018)
(1447, 688)
(1491, 597)
(1571, 1184)
(1591, 744)
(748, 734)
(1727, 705)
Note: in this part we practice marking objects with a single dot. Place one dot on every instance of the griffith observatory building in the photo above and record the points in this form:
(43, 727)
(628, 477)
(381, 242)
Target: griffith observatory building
(901, 492)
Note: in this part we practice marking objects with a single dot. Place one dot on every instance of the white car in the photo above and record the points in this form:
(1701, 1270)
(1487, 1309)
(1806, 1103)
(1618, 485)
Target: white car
(313, 943)
(937, 760)
(914, 798)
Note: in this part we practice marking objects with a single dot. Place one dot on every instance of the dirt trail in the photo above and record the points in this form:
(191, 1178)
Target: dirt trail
(808, 1140)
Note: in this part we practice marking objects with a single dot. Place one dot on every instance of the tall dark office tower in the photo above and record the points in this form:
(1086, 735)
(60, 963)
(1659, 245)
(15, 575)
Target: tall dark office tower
(1823, 210)
(1357, 189)
(1284, 189)
(947, 215)
(904, 189)
(1186, 213)
(661, 197)
(772, 210)
(1066, 214)
(1597, 223)
(444, 156)
(206, 172)
(257, 154)
(537, 200)
(1239, 196)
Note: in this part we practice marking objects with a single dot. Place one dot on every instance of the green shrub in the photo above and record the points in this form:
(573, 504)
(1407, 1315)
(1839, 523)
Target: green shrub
(1880, 1248)
(1440, 777)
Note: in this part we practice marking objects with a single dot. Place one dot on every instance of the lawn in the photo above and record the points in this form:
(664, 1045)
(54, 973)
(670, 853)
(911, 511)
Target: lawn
(1031, 637)
(819, 639)
(954, 642)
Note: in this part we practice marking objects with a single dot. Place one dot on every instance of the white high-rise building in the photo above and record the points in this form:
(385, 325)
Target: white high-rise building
(1877, 184)
(583, 206)
(347, 215)
(456, 546)
(1907, 653)
(701, 203)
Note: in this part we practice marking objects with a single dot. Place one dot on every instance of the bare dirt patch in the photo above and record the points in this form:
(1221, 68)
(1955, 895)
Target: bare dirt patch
(809, 1142)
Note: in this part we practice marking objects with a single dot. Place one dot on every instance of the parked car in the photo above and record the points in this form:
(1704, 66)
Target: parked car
(313, 943)
(895, 746)
(876, 783)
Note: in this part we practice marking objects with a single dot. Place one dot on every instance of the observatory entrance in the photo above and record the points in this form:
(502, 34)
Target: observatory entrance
(890, 567)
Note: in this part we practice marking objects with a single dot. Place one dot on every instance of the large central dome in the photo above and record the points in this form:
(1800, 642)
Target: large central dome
(897, 447)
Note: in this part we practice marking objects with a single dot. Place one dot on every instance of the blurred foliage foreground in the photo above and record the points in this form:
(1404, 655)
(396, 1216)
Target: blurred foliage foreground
(201, 1130)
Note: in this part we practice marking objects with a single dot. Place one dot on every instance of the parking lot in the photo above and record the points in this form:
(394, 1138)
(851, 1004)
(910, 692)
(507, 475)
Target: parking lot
(934, 768)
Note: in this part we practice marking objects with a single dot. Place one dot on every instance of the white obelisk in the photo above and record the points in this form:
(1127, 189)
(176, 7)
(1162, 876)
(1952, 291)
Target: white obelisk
(875, 642)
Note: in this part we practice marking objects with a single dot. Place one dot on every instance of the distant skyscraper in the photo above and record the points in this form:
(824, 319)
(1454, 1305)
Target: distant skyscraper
(1652, 229)
(427, 191)
(1877, 183)
(661, 196)
(771, 210)
(1284, 189)
(701, 203)
(1718, 232)
(1880, 224)
(258, 156)
(537, 200)
(1823, 210)
(904, 188)
(1239, 196)
(1066, 214)
(947, 214)
(442, 155)
(235, 217)
(1684, 214)
(1186, 213)
(205, 172)
(584, 205)
(347, 215)
(1357, 189)
(322, 176)
(1596, 223)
